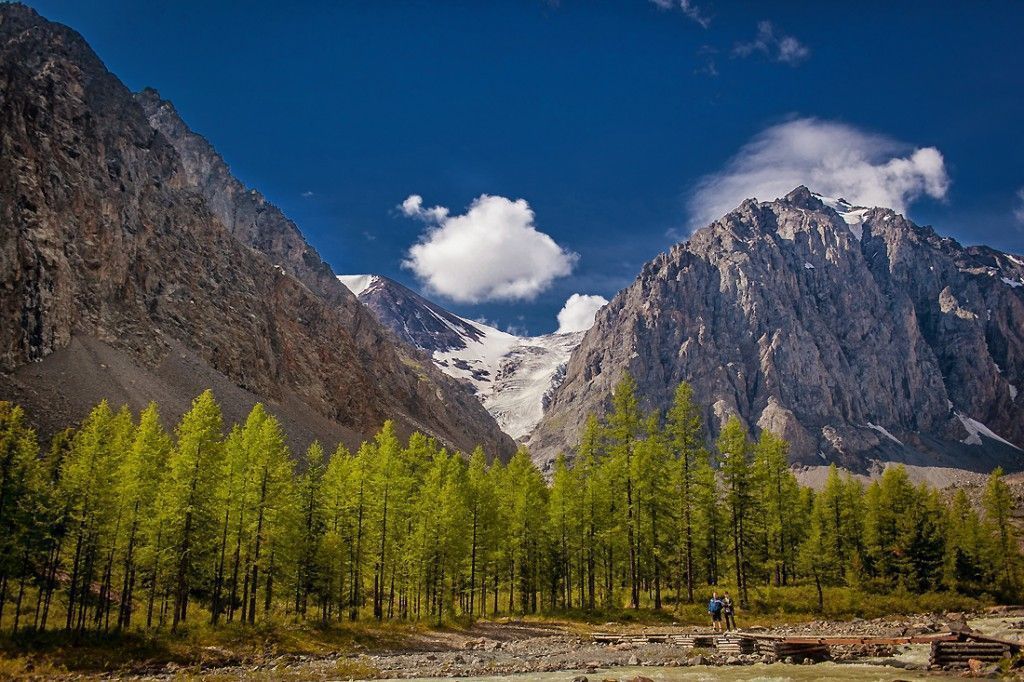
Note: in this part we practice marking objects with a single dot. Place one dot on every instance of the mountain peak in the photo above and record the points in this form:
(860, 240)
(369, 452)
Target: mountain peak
(357, 284)
(819, 339)
(801, 197)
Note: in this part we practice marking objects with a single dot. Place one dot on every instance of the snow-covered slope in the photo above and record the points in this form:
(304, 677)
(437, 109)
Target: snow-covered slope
(852, 215)
(512, 375)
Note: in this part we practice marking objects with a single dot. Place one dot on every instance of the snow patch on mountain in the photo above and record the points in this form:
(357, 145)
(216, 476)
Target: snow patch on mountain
(882, 430)
(513, 376)
(357, 284)
(975, 430)
(522, 379)
(851, 215)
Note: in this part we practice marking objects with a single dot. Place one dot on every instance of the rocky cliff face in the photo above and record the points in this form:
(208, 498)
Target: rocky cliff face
(121, 252)
(854, 333)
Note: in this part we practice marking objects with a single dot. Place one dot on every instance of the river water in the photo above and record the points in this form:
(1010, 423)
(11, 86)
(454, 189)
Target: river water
(775, 672)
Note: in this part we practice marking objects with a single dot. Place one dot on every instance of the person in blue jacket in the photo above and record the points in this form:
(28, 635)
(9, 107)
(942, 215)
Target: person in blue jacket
(715, 608)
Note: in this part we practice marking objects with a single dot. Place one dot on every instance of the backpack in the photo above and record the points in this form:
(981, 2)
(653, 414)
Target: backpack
(715, 606)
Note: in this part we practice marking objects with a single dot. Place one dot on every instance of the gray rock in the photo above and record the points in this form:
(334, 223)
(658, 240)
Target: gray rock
(891, 326)
(133, 258)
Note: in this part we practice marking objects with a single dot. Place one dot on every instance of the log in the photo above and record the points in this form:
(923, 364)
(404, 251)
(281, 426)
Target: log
(961, 652)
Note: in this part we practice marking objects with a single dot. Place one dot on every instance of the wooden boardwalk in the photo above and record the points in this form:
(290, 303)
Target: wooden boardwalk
(954, 648)
(710, 640)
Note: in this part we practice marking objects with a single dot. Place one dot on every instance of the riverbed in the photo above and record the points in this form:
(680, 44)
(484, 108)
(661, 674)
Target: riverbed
(549, 652)
(760, 672)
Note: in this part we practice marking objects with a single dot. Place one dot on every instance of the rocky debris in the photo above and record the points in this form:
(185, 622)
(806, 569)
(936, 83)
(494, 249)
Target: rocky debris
(898, 345)
(110, 233)
(537, 649)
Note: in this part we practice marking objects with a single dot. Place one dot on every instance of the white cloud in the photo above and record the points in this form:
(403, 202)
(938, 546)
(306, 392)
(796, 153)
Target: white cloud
(308, 194)
(773, 44)
(689, 8)
(413, 207)
(831, 158)
(492, 252)
(577, 315)
(1018, 210)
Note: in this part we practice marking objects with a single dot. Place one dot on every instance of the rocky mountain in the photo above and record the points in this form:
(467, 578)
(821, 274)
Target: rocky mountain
(135, 267)
(856, 334)
(513, 376)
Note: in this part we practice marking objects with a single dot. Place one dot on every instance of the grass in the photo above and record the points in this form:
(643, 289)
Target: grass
(194, 647)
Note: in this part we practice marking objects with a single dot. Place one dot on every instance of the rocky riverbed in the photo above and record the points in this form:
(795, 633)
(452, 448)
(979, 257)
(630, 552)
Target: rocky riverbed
(490, 650)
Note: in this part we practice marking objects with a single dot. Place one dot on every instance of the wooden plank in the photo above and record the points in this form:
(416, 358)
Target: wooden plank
(959, 653)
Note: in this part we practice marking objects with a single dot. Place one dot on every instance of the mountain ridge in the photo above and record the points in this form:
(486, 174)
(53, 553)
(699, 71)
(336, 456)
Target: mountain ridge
(829, 329)
(116, 263)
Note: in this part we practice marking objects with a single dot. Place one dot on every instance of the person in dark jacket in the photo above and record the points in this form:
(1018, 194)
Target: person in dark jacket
(715, 607)
(729, 611)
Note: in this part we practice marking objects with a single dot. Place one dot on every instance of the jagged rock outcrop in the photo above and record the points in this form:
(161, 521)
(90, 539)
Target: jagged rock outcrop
(856, 334)
(126, 266)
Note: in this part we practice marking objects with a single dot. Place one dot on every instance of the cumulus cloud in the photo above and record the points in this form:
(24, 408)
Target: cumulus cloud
(1018, 210)
(413, 208)
(689, 8)
(774, 44)
(831, 158)
(492, 252)
(577, 315)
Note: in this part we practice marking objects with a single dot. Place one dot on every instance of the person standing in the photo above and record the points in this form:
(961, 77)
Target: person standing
(729, 611)
(715, 609)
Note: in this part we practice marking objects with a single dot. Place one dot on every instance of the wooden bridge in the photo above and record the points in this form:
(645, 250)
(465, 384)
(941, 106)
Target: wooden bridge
(954, 648)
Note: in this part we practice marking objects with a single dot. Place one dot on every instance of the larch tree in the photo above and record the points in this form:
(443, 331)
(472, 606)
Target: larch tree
(998, 506)
(480, 500)
(312, 527)
(22, 496)
(142, 471)
(86, 490)
(190, 497)
(562, 530)
(685, 431)
(737, 474)
(779, 491)
(624, 426)
(968, 549)
(652, 465)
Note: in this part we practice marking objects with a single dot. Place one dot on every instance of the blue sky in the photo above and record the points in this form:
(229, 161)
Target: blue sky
(606, 118)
